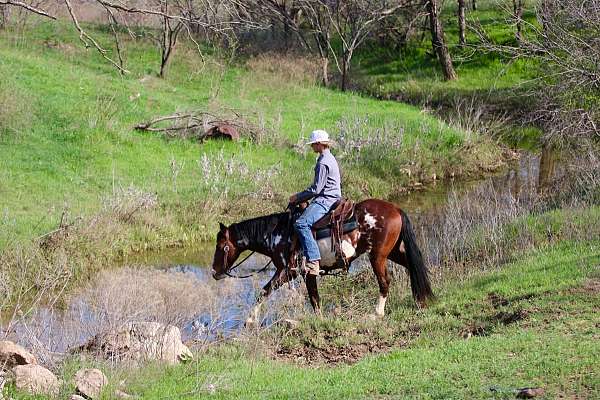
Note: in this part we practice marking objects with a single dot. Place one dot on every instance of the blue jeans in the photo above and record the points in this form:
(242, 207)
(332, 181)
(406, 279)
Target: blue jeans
(312, 214)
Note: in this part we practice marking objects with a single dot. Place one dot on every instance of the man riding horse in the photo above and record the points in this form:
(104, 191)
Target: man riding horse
(379, 228)
(325, 191)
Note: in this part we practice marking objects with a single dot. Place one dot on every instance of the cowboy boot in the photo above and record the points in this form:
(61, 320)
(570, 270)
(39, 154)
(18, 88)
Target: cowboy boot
(312, 267)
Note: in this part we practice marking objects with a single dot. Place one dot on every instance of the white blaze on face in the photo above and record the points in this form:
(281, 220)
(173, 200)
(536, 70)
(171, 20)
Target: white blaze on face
(380, 308)
(370, 221)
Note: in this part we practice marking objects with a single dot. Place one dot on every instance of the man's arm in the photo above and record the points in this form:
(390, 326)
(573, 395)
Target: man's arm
(321, 172)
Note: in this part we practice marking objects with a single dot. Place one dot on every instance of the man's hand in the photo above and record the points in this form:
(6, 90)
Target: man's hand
(293, 199)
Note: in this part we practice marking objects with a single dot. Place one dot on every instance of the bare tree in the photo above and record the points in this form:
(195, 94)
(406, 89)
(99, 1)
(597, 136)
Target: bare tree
(285, 13)
(462, 25)
(170, 31)
(216, 18)
(350, 21)
(396, 30)
(567, 46)
(3, 16)
(320, 29)
(4, 5)
(333, 29)
(438, 41)
(518, 17)
(173, 16)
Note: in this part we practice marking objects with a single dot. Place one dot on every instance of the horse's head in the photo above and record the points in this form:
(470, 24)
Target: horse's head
(226, 253)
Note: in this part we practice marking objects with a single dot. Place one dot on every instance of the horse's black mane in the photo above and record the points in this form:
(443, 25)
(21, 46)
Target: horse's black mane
(254, 229)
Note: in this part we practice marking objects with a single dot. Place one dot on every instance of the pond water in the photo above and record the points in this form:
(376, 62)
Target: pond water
(175, 286)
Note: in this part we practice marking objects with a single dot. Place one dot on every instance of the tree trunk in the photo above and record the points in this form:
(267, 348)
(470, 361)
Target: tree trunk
(474, 4)
(462, 25)
(345, 66)
(518, 15)
(3, 16)
(325, 70)
(286, 35)
(165, 47)
(543, 15)
(438, 42)
(169, 40)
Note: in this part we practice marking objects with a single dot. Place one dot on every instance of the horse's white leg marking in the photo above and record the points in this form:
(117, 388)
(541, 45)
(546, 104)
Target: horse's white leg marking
(380, 308)
(253, 317)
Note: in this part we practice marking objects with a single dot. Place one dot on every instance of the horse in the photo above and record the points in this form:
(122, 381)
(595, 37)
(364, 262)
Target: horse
(384, 231)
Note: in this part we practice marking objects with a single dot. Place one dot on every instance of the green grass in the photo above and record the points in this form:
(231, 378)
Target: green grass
(413, 74)
(553, 345)
(68, 144)
(492, 330)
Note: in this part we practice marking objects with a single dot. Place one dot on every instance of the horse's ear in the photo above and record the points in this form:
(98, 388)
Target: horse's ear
(224, 230)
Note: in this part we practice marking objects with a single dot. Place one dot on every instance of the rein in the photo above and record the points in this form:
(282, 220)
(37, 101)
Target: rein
(228, 273)
(226, 251)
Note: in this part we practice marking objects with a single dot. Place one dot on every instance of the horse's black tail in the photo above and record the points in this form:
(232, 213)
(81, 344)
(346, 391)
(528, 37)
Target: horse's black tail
(419, 279)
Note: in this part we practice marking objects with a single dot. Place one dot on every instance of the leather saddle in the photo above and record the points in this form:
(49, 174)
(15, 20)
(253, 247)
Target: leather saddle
(337, 222)
(340, 218)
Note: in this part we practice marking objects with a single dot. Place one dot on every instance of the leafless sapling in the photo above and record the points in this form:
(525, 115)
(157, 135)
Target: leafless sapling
(462, 25)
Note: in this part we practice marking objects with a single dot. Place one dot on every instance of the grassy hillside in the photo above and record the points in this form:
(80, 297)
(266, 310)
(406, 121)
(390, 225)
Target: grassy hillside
(67, 143)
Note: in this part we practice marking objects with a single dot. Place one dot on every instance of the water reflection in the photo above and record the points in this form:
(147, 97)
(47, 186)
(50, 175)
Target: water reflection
(547, 167)
(531, 173)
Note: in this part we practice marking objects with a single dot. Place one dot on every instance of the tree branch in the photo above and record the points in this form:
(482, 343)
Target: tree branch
(84, 37)
(27, 7)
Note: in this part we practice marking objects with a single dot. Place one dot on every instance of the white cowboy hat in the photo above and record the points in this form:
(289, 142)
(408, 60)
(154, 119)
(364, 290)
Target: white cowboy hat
(319, 136)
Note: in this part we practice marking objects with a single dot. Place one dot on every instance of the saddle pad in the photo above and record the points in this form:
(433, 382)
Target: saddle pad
(349, 226)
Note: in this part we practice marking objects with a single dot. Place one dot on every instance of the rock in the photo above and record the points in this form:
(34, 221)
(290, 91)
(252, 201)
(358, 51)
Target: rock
(529, 393)
(12, 354)
(35, 379)
(89, 382)
(142, 341)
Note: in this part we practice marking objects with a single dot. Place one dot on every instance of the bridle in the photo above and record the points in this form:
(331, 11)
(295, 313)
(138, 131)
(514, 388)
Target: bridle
(228, 270)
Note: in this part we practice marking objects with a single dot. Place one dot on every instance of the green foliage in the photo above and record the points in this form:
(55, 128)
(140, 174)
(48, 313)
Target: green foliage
(76, 146)
(412, 73)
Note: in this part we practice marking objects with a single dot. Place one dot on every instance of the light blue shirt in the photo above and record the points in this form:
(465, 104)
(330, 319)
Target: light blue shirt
(327, 186)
